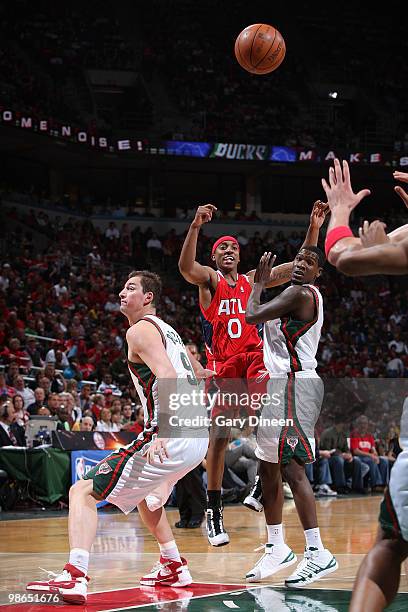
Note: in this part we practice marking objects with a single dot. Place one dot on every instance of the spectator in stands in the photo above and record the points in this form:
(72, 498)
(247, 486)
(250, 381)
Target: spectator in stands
(319, 474)
(64, 422)
(120, 370)
(127, 414)
(58, 358)
(22, 415)
(85, 400)
(392, 446)
(60, 288)
(87, 424)
(26, 393)
(363, 446)
(112, 232)
(5, 390)
(116, 418)
(107, 383)
(39, 401)
(34, 353)
(57, 380)
(105, 422)
(155, 249)
(395, 366)
(54, 401)
(11, 434)
(12, 371)
(343, 465)
(138, 424)
(112, 304)
(45, 383)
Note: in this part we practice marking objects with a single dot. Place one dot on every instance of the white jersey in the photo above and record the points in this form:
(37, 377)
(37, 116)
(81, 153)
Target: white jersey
(290, 345)
(145, 381)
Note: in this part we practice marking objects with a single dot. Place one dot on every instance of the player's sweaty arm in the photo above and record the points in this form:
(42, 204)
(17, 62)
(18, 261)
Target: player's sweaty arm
(281, 274)
(190, 269)
(389, 258)
(290, 299)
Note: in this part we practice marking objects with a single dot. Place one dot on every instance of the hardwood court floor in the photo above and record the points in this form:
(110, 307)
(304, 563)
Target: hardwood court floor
(123, 550)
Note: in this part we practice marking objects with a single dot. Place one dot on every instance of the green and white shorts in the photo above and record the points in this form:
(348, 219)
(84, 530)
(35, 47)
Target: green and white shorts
(286, 424)
(394, 507)
(124, 478)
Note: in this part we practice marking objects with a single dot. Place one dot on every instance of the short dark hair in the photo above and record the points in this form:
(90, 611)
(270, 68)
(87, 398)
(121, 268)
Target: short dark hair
(320, 255)
(150, 282)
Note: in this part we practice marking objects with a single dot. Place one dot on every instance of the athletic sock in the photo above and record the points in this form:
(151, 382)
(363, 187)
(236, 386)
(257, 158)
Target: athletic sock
(313, 539)
(275, 534)
(79, 558)
(214, 499)
(170, 551)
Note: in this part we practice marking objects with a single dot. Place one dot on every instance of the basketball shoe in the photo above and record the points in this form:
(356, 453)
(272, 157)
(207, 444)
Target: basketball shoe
(314, 565)
(254, 500)
(274, 559)
(166, 572)
(216, 534)
(71, 585)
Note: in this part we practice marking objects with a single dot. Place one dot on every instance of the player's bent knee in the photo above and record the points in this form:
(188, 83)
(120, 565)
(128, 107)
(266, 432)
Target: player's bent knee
(81, 488)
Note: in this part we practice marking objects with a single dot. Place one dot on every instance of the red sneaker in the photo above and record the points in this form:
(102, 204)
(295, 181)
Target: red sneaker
(70, 585)
(168, 573)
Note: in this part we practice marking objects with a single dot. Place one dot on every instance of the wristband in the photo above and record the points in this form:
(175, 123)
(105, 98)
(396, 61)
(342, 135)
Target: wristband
(336, 234)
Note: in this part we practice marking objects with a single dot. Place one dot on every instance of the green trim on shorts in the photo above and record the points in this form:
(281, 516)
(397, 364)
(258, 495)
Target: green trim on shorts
(106, 474)
(388, 518)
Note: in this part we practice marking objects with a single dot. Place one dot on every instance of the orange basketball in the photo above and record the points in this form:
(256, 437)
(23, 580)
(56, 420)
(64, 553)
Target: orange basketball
(260, 48)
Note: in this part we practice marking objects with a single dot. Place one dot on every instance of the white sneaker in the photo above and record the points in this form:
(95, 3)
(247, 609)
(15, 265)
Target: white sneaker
(168, 573)
(325, 491)
(71, 589)
(274, 559)
(287, 491)
(314, 565)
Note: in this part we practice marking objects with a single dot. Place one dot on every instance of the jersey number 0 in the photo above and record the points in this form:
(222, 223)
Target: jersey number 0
(234, 328)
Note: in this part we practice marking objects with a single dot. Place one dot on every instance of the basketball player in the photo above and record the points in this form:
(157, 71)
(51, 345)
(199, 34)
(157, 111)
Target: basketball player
(233, 348)
(143, 473)
(292, 328)
(378, 578)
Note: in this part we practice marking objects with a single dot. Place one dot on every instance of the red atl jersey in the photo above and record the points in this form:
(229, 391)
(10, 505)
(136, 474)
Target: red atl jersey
(226, 333)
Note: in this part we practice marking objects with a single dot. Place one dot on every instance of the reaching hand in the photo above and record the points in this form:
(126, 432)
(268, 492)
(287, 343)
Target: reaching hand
(403, 177)
(264, 268)
(158, 447)
(373, 233)
(339, 192)
(203, 215)
(318, 214)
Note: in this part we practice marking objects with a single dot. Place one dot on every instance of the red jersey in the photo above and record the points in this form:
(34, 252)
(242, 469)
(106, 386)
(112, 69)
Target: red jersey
(226, 333)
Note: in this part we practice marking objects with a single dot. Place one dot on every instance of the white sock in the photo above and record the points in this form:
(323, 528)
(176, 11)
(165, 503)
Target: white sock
(79, 558)
(275, 534)
(170, 551)
(313, 538)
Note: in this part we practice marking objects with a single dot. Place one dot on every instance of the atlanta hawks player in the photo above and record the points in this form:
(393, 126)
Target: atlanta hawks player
(233, 347)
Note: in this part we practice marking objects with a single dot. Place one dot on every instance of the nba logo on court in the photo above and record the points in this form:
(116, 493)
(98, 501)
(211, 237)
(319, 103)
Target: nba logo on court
(292, 441)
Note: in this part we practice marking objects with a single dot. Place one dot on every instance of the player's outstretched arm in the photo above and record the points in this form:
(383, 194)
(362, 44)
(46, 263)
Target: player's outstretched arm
(281, 274)
(280, 306)
(190, 269)
(389, 258)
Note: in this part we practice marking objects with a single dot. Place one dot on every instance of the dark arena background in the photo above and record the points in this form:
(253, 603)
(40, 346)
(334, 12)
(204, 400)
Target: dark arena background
(117, 120)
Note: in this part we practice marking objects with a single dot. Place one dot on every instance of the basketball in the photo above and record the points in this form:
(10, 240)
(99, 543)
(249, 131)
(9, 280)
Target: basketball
(260, 48)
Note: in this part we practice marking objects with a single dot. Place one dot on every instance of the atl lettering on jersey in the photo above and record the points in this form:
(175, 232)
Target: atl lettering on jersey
(226, 333)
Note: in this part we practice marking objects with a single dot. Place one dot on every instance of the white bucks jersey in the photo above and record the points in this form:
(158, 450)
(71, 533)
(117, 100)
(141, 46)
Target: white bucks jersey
(404, 426)
(291, 345)
(145, 381)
